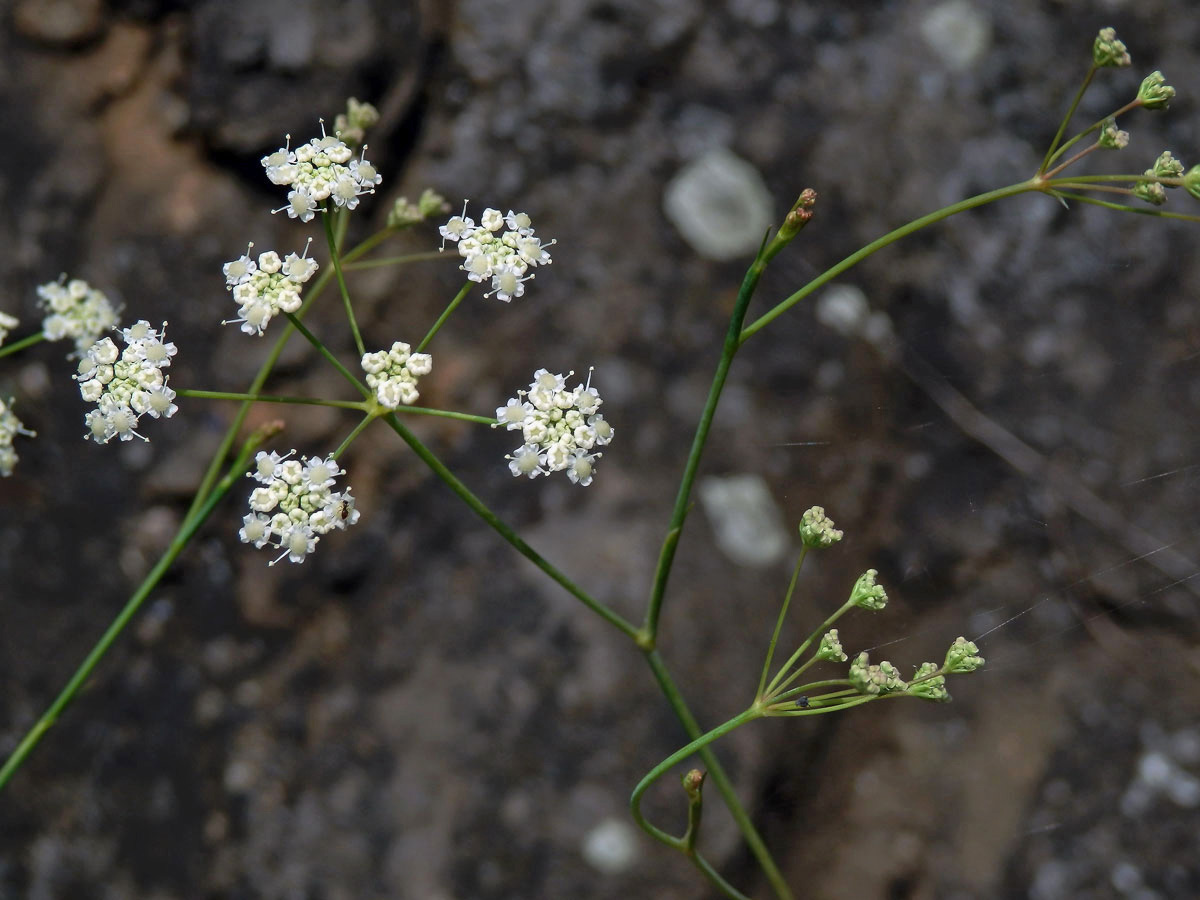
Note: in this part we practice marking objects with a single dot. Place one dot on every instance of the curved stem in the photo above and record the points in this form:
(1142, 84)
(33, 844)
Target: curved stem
(480, 509)
(335, 256)
(191, 524)
(878, 244)
(458, 298)
(27, 341)
(719, 777)
(683, 497)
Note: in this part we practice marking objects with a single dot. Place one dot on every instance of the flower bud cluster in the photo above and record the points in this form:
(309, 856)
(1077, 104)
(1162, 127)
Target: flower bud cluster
(295, 504)
(963, 656)
(867, 593)
(868, 679)
(323, 169)
(393, 374)
(126, 384)
(928, 684)
(560, 427)
(352, 125)
(1154, 92)
(10, 427)
(1112, 137)
(830, 648)
(501, 249)
(404, 213)
(76, 310)
(7, 324)
(816, 528)
(1108, 51)
(265, 288)
(1166, 166)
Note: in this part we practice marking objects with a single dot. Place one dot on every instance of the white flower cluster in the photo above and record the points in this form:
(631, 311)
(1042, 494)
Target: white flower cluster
(265, 288)
(126, 384)
(393, 374)
(296, 504)
(10, 427)
(491, 252)
(323, 169)
(560, 428)
(7, 324)
(75, 310)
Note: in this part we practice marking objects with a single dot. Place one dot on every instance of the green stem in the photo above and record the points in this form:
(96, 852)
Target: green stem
(718, 775)
(27, 341)
(1062, 128)
(335, 256)
(394, 260)
(480, 509)
(358, 429)
(191, 524)
(262, 398)
(666, 555)
(445, 414)
(775, 685)
(328, 354)
(762, 679)
(890, 238)
(1074, 159)
(458, 298)
(1095, 126)
(1140, 210)
(821, 710)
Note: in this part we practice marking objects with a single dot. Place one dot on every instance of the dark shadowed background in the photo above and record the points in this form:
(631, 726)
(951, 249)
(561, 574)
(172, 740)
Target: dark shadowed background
(416, 711)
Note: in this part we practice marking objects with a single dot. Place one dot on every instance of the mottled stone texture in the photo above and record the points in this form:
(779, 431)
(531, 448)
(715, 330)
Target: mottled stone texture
(417, 712)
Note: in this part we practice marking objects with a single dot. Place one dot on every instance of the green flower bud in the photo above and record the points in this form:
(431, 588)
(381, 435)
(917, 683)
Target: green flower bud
(928, 686)
(693, 781)
(963, 656)
(1108, 51)
(874, 680)
(867, 593)
(1191, 181)
(1150, 191)
(816, 529)
(1155, 93)
(1167, 166)
(831, 647)
(1111, 137)
(431, 203)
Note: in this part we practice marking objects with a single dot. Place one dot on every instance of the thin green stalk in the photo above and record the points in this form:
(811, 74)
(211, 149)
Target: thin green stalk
(719, 777)
(396, 260)
(27, 341)
(191, 524)
(817, 633)
(263, 398)
(458, 298)
(1062, 128)
(821, 710)
(335, 257)
(666, 555)
(480, 509)
(762, 679)
(1140, 210)
(446, 414)
(358, 429)
(878, 244)
(1091, 148)
(1095, 126)
(328, 354)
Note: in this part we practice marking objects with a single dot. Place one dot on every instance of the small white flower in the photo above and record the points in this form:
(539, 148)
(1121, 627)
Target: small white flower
(75, 310)
(10, 427)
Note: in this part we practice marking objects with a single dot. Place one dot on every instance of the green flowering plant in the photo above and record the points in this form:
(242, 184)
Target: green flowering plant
(296, 500)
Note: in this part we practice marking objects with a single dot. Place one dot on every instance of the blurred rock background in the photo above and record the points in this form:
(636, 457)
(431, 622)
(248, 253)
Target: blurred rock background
(1000, 412)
